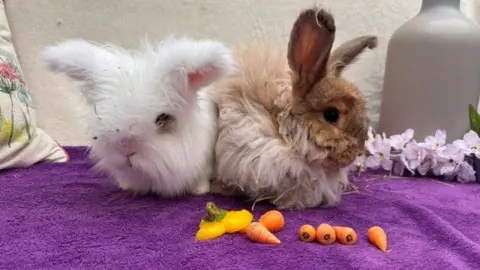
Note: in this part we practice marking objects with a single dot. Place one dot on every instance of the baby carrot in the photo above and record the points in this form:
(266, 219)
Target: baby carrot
(257, 232)
(378, 237)
(345, 235)
(273, 220)
(325, 234)
(307, 233)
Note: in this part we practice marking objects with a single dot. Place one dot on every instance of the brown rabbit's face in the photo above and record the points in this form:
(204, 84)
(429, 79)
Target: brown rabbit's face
(331, 109)
(334, 112)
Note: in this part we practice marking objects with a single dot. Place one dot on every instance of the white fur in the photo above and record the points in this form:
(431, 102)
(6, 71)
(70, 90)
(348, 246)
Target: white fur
(126, 90)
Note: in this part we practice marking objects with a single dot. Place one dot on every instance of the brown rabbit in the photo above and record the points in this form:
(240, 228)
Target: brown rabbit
(287, 131)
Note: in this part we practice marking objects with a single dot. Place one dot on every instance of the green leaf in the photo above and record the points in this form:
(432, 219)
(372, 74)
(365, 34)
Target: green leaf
(24, 96)
(474, 119)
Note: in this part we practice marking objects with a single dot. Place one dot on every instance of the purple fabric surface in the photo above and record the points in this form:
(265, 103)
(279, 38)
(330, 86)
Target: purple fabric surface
(58, 216)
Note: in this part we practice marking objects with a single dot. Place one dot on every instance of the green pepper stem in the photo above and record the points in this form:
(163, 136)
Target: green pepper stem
(214, 213)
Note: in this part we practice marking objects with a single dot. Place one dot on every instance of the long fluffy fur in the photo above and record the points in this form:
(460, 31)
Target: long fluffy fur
(250, 151)
(274, 141)
(126, 90)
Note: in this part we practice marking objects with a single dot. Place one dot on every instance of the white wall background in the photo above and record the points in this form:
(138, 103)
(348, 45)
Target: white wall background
(36, 24)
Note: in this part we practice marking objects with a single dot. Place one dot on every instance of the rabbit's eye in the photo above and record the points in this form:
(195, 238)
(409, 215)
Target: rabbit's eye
(162, 119)
(331, 115)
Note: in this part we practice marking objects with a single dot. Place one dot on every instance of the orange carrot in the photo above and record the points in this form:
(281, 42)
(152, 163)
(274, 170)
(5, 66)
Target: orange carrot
(257, 232)
(307, 233)
(273, 220)
(378, 237)
(345, 235)
(326, 234)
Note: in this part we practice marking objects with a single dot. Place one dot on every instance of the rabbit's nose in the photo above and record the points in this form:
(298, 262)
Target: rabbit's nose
(127, 147)
(127, 152)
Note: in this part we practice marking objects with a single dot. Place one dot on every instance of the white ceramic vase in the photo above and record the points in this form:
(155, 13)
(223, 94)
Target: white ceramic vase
(432, 72)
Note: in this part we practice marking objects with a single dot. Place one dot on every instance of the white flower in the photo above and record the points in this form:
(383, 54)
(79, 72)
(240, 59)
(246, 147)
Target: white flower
(401, 152)
(470, 143)
(436, 142)
(380, 154)
(465, 173)
(398, 142)
(448, 160)
(413, 155)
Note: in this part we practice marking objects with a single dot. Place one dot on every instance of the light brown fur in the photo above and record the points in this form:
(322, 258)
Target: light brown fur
(274, 141)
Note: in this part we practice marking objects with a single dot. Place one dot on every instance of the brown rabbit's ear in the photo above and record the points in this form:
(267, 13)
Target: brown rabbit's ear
(309, 47)
(348, 52)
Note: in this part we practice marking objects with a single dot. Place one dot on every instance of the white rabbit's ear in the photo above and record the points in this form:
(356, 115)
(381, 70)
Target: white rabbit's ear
(197, 63)
(76, 58)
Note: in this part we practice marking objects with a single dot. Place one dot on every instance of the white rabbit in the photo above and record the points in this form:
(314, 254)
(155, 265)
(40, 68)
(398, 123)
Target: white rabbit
(153, 128)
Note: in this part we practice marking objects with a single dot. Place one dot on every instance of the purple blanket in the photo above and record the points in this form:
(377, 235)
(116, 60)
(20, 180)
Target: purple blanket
(59, 216)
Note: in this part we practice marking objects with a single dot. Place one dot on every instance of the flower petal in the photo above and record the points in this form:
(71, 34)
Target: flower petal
(466, 173)
(436, 170)
(404, 162)
(462, 144)
(429, 140)
(470, 137)
(446, 168)
(411, 151)
(408, 134)
(371, 148)
(387, 164)
(414, 164)
(385, 149)
(441, 136)
(372, 162)
(424, 168)
(396, 142)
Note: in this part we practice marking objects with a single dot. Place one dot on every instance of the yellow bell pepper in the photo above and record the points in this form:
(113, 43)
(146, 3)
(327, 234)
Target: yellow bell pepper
(219, 221)
(210, 230)
(235, 221)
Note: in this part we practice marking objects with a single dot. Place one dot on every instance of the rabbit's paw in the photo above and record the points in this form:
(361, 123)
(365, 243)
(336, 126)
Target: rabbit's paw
(201, 187)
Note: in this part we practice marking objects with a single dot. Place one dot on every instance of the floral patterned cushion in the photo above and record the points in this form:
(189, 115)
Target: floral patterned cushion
(22, 143)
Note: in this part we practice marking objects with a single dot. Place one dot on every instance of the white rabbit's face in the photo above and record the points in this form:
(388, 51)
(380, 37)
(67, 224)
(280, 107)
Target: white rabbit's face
(139, 94)
(137, 99)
